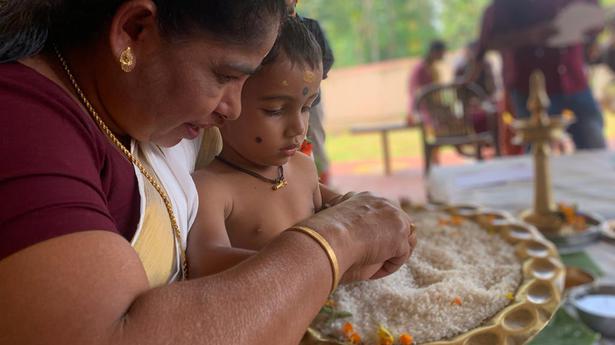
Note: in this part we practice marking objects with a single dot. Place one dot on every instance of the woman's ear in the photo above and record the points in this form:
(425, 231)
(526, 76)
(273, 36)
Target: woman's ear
(134, 26)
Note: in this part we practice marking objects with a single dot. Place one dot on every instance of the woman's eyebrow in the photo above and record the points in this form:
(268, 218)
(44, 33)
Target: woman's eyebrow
(240, 67)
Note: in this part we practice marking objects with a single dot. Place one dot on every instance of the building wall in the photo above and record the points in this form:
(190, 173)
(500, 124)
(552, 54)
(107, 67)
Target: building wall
(370, 93)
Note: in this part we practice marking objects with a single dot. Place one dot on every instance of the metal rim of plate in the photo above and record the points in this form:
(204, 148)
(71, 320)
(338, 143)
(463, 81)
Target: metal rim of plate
(536, 300)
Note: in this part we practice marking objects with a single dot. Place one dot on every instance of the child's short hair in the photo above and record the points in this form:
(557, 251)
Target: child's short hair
(297, 43)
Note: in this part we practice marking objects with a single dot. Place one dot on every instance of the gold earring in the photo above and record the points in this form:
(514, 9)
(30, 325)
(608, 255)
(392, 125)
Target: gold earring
(127, 60)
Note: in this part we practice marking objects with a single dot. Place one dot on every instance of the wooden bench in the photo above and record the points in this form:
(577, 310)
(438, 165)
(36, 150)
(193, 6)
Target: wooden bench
(384, 129)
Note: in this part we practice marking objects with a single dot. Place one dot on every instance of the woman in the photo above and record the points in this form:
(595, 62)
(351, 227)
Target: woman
(90, 244)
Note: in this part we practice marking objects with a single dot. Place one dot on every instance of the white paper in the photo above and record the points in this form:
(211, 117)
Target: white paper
(573, 22)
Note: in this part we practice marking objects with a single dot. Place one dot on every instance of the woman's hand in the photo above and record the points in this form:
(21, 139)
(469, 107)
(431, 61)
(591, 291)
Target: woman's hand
(371, 236)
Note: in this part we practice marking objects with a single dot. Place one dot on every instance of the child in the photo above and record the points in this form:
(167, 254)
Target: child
(259, 185)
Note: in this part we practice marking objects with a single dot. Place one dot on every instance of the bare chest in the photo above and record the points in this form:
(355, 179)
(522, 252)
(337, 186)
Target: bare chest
(259, 213)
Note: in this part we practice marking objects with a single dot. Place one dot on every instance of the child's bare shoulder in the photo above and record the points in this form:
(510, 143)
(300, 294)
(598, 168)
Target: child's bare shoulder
(301, 160)
(212, 178)
(304, 165)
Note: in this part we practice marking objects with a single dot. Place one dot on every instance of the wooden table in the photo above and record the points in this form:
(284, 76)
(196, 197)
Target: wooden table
(383, 129)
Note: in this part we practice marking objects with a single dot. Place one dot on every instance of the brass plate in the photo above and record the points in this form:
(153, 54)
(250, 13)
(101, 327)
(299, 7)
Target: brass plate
(537, 298)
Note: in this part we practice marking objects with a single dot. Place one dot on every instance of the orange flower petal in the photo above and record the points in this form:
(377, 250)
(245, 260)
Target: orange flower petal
(355, 338)
(457, 300)
(405, 339)
(348, 329)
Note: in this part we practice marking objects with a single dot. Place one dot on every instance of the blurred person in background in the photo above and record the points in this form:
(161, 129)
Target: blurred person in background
(316, 132)
(424, 73)
(520, 31)
(485, 77)
(485, 80)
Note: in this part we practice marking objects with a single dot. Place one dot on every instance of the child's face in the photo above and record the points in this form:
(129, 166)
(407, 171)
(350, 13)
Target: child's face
(275, 111)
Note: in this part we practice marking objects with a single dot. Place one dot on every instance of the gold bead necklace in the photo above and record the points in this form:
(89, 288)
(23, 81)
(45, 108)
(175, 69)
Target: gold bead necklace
(134, 160)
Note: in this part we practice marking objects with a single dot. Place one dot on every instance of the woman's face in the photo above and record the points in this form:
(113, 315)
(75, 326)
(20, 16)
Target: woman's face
(180, 88)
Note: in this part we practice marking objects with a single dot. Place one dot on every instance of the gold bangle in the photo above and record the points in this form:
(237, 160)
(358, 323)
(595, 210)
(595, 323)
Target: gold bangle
(335, 267)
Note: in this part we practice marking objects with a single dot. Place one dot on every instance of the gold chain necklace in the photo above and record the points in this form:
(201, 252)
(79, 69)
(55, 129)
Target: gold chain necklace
(103, 127)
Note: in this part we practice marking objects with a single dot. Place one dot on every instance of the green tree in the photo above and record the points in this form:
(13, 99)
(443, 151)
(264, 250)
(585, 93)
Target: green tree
(362, 31)
(460, 21)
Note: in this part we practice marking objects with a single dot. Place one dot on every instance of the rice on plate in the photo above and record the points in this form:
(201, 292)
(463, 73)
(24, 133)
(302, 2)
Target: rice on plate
(458, 276)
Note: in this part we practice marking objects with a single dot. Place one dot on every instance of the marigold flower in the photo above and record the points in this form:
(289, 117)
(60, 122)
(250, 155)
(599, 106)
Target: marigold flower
(580, 223)
(306, 147)
(457, 300)
(568, 211)
(456, 220)
(355, 338)
(348, 329)
(406, 339)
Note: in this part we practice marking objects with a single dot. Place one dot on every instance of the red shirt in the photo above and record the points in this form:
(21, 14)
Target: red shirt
(422, 75)
(59, 174)
(563, 67)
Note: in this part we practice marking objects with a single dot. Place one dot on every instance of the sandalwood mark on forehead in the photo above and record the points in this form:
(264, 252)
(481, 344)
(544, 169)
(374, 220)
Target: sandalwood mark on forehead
(284, 82)
(305, 90)
(309, 76)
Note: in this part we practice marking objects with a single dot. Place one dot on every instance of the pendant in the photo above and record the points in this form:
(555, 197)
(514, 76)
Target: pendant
(279, 184)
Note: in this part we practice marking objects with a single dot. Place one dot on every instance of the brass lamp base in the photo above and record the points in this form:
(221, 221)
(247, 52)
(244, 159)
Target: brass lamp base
(553, 227)
(548, 223)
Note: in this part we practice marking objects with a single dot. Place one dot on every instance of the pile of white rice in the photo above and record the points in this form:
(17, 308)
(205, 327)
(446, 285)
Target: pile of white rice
(450, 262)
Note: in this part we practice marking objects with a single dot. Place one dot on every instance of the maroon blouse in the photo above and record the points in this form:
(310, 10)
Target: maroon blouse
(59, 174)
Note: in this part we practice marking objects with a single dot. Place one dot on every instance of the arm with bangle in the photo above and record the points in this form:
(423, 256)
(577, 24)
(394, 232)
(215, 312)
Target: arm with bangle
(269, 298)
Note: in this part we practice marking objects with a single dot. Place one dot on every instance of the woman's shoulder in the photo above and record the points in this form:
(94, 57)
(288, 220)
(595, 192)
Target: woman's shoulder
(61, 172)
(36, 111)
(31, 84)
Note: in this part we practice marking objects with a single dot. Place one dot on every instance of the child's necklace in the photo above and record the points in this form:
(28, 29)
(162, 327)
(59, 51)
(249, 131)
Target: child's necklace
(276, 184)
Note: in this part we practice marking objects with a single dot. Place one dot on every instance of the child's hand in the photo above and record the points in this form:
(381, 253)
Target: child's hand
(338, 199)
